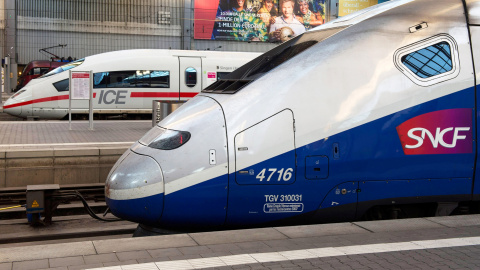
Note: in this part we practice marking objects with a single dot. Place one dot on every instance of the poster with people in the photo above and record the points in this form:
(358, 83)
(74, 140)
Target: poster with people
(256, 20)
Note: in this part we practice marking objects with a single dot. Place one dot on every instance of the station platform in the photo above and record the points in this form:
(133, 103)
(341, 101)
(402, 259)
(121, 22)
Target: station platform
(49, 152)
(424, 243)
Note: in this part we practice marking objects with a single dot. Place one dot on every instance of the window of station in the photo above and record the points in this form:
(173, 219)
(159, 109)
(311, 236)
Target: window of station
(429, 61)
(191, 77)
(132, 79)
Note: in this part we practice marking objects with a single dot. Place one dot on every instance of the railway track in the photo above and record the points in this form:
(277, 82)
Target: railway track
(70, 221)
(18, 194)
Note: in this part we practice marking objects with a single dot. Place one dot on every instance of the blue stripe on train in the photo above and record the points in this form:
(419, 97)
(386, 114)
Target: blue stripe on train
(368, 155)
(369, 165)
(147, 210)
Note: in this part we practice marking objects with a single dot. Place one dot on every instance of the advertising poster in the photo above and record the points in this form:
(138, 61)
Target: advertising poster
(256, 20)
(346, 7)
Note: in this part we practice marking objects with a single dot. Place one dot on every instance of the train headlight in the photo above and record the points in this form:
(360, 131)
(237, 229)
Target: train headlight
(165, 139)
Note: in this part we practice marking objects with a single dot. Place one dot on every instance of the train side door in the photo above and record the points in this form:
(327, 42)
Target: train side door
(263, 186)
(190, 77)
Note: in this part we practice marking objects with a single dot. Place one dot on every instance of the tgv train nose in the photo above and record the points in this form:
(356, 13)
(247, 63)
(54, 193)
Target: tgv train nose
(134, 189)
(11, 107)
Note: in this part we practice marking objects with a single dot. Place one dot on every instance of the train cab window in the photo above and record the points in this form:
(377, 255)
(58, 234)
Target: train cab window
(429, 61)
(191, 77)
(38, 71)
(62, 85)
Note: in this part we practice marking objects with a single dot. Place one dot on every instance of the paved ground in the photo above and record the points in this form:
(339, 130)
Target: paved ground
(36, 134)
(428, 243)
(432, 243)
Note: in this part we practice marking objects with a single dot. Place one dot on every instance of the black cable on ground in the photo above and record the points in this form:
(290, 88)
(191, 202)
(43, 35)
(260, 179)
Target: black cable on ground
(77, 194)
(90, 211)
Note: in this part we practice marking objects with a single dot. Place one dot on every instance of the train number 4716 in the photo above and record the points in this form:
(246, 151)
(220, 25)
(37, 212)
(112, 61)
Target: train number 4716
(283, 174)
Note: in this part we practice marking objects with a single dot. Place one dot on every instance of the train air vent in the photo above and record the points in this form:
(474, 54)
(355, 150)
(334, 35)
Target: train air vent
(226, 86)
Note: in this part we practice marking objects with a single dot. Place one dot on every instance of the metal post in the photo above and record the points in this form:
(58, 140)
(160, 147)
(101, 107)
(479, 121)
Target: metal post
(1, 84)
(70, 99)
(90, 112)
(6, 70)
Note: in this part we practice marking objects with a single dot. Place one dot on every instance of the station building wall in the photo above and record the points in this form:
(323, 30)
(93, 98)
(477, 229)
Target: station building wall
(95, 26)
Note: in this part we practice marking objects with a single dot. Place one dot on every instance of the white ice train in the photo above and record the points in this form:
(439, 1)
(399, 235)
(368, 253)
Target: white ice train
(125, 82)
(372, 115)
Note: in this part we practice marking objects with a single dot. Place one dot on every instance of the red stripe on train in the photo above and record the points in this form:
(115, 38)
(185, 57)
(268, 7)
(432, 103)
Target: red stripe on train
(62, 97)
(162, 94)
(133, 95)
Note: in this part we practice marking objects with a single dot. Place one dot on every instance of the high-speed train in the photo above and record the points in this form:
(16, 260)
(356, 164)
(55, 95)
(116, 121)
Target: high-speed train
(370, 116)
(125, 82)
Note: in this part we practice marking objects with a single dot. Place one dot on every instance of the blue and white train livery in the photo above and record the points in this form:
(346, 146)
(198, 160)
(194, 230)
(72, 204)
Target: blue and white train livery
(370, 116)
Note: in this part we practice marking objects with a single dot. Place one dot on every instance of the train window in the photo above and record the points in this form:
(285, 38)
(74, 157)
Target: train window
(100, 80)
(62, 85)
(132, 79)
(191, 77)
(121, 79)
(38, 71)
(44, 70)
(160, 79)
(429, 61)
(64, 68)
(221, 75)
(142, 78)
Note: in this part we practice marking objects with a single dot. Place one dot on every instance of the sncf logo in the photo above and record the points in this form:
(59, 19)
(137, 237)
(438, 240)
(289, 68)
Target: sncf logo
(437, 138)
(440, 132)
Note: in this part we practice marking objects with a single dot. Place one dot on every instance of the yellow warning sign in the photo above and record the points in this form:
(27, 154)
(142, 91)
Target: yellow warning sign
(35, 204)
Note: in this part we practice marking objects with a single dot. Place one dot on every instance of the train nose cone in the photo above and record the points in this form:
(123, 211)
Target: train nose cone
(134, 189)
(11, 107)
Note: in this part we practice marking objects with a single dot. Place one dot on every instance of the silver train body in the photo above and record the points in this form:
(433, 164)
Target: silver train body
(125, 82)
(372, 114)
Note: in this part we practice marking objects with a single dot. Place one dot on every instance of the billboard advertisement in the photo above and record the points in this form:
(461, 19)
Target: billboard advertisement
(256, 20)
(346, 7)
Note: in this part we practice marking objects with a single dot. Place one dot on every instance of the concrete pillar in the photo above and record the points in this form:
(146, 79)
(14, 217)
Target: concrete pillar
(187, 41)
(6, 72)
(10, 45)
(2, 45)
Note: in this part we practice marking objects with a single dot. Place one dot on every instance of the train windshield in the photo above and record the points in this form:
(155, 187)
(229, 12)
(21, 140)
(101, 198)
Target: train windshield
(64, 68)
(270, 60)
